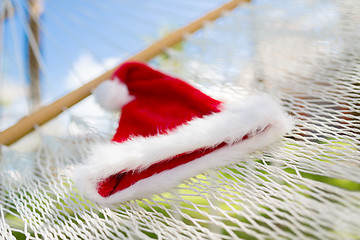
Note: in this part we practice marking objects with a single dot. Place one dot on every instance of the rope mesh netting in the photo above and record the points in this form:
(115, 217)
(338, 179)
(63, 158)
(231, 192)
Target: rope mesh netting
(306, 186)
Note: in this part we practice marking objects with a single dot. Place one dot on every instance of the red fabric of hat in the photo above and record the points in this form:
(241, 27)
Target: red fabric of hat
(161, 102)
(170, 131)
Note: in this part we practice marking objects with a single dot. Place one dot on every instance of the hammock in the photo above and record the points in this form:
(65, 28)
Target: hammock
(307, 186)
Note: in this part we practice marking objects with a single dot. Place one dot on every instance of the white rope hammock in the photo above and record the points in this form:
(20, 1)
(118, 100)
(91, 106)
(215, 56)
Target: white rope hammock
(306, 186)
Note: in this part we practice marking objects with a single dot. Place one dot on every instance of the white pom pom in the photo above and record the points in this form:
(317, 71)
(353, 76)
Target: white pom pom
(112, 95)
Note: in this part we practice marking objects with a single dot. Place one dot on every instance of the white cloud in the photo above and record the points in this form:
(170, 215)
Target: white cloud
(10, 92)
(13, 104)
(86, 68)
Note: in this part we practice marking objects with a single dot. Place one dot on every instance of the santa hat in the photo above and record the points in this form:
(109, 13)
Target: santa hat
(170, 131)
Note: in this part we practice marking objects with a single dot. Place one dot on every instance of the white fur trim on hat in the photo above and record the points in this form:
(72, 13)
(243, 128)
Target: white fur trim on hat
(260, 117)
(112, 95)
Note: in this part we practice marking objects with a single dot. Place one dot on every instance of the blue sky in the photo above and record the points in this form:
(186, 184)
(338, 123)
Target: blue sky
(103, 28)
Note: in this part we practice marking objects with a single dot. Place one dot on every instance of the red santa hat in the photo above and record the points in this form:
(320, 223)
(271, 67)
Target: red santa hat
(170, 131)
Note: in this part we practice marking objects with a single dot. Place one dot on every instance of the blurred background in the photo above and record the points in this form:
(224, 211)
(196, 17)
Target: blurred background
(48, 48)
